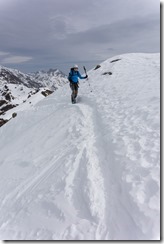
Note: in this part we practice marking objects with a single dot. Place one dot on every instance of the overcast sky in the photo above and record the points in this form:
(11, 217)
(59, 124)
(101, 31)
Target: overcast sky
(43, 34)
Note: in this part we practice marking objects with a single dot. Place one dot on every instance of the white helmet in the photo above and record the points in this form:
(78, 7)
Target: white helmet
(75, 66)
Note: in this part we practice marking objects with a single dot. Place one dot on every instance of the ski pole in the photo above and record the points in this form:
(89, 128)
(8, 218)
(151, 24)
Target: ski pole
(87, 78)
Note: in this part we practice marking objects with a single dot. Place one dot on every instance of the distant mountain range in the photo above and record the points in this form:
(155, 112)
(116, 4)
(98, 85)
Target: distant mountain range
(52, 79)
(17, 88)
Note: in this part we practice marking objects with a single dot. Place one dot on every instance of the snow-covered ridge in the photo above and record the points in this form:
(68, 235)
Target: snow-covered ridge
(88, 171)
(17, 88)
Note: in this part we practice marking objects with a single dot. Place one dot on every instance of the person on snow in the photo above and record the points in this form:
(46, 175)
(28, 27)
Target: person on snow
(73, 79)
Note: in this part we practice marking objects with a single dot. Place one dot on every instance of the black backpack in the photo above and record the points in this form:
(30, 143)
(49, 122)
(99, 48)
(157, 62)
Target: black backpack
(72, 72)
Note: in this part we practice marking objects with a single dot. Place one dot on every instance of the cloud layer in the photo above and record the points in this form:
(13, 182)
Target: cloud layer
(40, 34)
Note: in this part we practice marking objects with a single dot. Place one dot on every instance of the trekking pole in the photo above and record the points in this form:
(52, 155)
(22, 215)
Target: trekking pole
(87, 78)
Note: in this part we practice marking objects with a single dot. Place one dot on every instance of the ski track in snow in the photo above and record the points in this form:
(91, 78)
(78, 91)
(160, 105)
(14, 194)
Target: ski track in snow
(93, 189)
(88, 171)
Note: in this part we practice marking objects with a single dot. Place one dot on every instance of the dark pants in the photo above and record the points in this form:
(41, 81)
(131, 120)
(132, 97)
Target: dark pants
(74, 88)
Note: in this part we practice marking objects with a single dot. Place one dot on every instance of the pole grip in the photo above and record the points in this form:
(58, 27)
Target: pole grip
(85, 70)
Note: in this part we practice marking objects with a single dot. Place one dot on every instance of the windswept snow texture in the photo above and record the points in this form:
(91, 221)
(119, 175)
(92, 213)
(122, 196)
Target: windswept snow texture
(91, 170)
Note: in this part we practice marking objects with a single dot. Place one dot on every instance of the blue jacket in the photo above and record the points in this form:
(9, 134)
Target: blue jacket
(74, 75)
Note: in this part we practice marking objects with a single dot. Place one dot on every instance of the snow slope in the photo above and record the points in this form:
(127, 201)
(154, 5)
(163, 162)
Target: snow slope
(89, 171)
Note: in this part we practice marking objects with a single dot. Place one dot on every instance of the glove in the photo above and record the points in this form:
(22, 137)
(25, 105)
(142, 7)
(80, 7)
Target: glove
(86, 76)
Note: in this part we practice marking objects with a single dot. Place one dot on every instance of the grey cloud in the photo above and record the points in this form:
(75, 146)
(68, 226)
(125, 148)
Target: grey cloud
(122, 36)
(63, 31)
(117, 31)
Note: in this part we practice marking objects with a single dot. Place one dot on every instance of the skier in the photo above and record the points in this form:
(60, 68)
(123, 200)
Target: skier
(73, 79)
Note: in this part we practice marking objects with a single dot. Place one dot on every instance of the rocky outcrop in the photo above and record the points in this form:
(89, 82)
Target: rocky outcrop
(97, 66)
(115, 60)
(3, 121)
(46, 93)
(107, 73)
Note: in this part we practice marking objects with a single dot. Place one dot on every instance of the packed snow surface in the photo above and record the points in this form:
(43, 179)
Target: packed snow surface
(91, 170)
